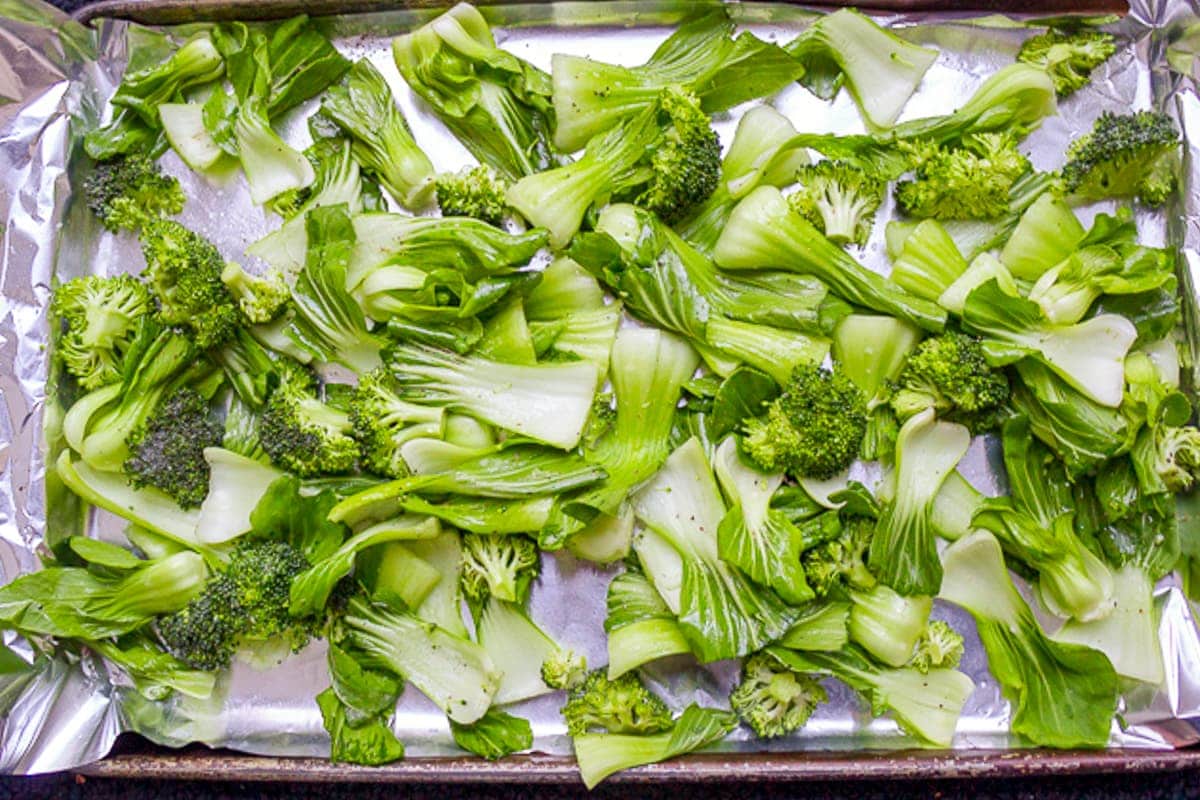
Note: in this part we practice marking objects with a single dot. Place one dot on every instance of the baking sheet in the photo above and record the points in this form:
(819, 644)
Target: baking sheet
(56, 76)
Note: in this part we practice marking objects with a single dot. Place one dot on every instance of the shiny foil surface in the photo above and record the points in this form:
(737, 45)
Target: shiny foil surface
(55, 78)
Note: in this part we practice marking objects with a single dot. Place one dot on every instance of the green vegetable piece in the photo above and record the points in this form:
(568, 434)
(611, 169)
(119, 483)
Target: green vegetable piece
(372, 744)
(757, 539)
(100, 321)
(601, 754)
(839, 199)
(925, 704)
(813, 430)
(363, 107)
(973, 180)
(135, 123)
(640, 626)
(1069, 56)
(773, 700)
(764, 233)
(904, 552)
(167, 451)
(950, 374)
(495, 735)
(1064, 695)
(1130, 155)
(881, 70)
(722, 614)
(184, 270)
(667, 159)
(75, 603)
(477, 192)
(126, 191)
(302, 434)
(454, 673)
(496, 104)
(701, 56)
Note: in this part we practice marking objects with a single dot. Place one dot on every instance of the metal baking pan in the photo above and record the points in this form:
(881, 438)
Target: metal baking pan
(136, 758)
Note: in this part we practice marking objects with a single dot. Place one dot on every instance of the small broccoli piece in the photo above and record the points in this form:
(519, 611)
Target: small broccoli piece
(262, 574)
(772, 699)
(302, 434)
(940, 647)
(381, 422)
(839, 198)
(971, 181)
(564, 669)
(261, 298)
(841, 562)
(686, 164)
(1178, 461)
(167, 450)
(1125, 155)
(813, 430)
(1069, 58)
(204, 634)
(498, 565)
(667, 159)
(477, 192)
(247, 602)
(950, 374)
(126, 192)
(621, 705)
(184, 271)
(99, 318)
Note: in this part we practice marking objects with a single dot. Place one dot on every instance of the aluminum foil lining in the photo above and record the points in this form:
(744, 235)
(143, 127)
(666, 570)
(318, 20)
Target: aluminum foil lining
(55, 77)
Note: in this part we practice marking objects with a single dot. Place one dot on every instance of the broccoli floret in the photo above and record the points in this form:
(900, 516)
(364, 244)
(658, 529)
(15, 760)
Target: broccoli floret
(950, 374)
(381, 422)
(686, 164)
(621, 705)
(204, 634)
(184, 271)
(262, 575)
(940, 647)
(1069, 58)
(167, 450)
(1125, 155)
(1178, 461)
(302, 434)
(246, 602)
(666, 159)
(839, 198)
(841, 562)
(501, 566)
(564, 669)
(477, 192)
(261, 298)
(971, 181)
(99, 318)
(126, 192)
(772, 699)
(813, 430)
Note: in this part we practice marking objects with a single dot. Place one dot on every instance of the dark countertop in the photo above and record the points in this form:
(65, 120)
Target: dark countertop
(1166, 786)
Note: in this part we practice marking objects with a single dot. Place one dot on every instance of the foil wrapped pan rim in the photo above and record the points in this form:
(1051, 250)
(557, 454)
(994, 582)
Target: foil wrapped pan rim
(65, 712)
